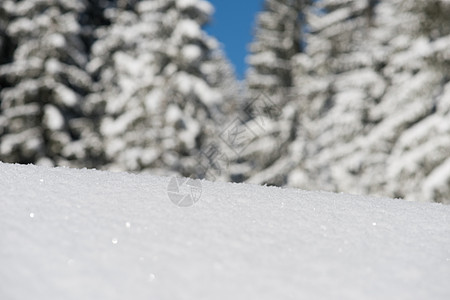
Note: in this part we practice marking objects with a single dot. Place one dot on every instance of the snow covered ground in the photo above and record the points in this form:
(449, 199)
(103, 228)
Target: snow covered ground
(85, 234)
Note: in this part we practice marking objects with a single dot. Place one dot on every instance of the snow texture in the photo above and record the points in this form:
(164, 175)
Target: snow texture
(86, 234)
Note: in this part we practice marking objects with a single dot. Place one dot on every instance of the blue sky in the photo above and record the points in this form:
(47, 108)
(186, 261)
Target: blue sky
(232, 25)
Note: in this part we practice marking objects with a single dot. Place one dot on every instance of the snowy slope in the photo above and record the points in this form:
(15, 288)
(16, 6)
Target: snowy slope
(84, 234)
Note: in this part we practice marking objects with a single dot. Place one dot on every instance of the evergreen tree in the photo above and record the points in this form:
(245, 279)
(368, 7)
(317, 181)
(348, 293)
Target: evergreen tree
(418, 123)
(6, 48)
(161, 85)
(395, 142)
(336, 84)
(6, 45)
(409, 143)
(43, 112)
(277, 40)
(270, 114)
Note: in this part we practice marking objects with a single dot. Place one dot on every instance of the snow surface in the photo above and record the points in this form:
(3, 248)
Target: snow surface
(86, 234)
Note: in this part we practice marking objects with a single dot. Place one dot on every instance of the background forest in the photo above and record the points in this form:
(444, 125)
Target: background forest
(340, 95)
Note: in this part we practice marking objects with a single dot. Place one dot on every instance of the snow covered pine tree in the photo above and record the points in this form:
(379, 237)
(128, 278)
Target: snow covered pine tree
(160, 85)
(42, 109)
(403, 152)
(336, 83)
(416, 132)
(271, 113)
(386, 130)
(6, 45)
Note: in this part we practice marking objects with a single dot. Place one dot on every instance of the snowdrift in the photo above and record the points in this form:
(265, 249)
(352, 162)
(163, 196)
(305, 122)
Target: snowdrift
(86, 234)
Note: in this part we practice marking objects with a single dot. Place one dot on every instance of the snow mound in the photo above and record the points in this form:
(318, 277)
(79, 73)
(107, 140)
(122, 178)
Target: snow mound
(86, 234)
